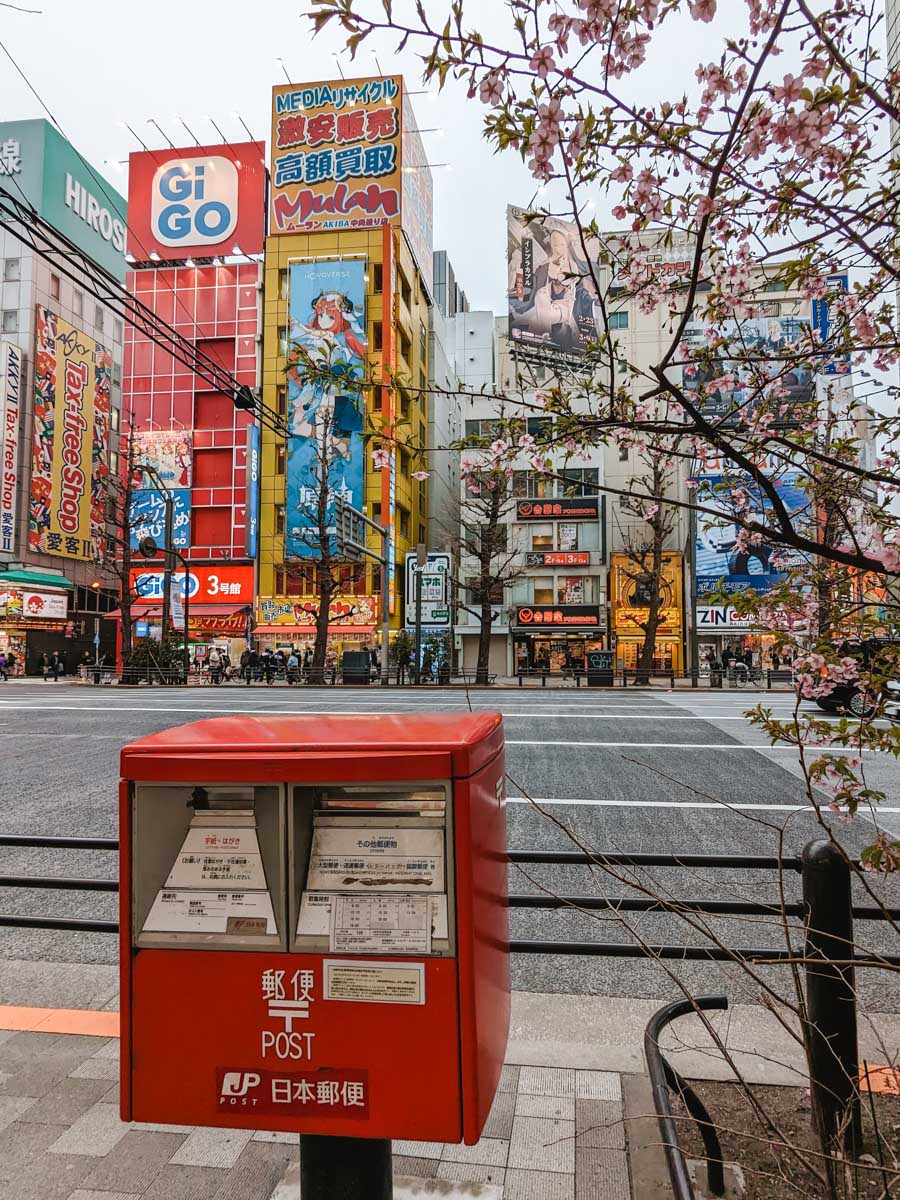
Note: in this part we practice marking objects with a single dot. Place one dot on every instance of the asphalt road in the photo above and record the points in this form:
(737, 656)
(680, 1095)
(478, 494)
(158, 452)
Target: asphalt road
(647, 771)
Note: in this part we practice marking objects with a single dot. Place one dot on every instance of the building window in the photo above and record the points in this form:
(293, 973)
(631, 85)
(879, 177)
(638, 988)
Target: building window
(114, 463)
(376, 511)
(284, 285)
(98, 318)
(574, 589)
(279, 460)
(423, 342)
(281, 400)
(539, 426)
(11, 270)
(623, 453)
(114, 419)
(117, 374)
(279, 519)
(404, 523)
(405, 346)
(618, 320)
(10, 320)
(376, 335)
(377, 278)
(77, 304)
(279, 581)
(543, 590)
(282, 340)
(542, 537)
(422, 534)
(405, 289)
(117, 330)
(580, 482)
(54, 286)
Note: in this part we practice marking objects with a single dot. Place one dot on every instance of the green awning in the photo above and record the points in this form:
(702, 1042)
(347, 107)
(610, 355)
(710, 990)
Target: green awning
(35, 579)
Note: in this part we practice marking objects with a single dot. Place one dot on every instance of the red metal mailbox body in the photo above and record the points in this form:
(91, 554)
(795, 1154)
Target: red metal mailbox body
(396, 1025)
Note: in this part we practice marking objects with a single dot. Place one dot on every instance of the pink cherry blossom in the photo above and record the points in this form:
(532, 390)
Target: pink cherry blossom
(702, 10)
(542, 62)
(380, 459)
(421, 475)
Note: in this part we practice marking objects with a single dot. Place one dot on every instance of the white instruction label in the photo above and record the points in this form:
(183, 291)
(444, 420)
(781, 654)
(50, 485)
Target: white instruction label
(315, 915)
(374, 983)
(359, 860)
(383, 924)
(208, 912)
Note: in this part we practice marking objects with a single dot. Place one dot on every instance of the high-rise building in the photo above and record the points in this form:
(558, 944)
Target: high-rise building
(61, 353)
(348, 285)
(196, 232)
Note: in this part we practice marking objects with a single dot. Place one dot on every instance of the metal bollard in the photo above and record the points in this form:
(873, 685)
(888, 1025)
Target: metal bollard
(344, 1168)
(543, 679)
(520, 679)
(768, 681)
(831, 995)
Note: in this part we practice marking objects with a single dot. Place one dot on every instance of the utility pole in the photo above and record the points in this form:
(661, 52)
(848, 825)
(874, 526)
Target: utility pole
(421, 564)
(167, 570)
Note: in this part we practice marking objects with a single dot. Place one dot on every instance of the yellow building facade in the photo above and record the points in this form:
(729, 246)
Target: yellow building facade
(397, 353)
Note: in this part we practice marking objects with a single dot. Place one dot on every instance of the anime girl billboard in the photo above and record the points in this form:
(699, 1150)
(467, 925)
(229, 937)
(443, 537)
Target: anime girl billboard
(327, 310)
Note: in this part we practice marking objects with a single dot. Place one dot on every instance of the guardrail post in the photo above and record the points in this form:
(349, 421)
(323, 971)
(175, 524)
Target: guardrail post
(344, 1168)
(831, 1037)
(520, 678)
(543, 679)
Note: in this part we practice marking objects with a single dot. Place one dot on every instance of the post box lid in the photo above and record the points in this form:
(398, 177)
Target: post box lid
(467, 740)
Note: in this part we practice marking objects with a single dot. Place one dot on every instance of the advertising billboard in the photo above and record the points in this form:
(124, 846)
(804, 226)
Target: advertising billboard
(327, 313)
(774, 345)
(581, 616)
(223, 583)
(578, 508)
(418, 198)
(198, 202)
(10, 407)
(303, 611)
(251, 533)
(720, 565)
(336, 161)
(552, 298)
(839, 364)
(435, 591)
(70, 443)
(168, 452)
(147, 517)
(632, 592)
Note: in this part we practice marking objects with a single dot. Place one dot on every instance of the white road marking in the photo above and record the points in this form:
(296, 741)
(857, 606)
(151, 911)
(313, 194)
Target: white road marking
(693, 746)
(705, 804)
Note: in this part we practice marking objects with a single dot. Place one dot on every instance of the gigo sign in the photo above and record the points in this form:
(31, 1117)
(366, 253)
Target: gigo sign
(194, 202)
(202, 200)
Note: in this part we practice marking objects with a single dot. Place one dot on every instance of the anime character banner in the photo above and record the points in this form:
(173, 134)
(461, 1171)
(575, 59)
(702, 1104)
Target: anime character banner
(721, 563)
(552, 297)
(70, 441)
(169, 452)
(327, 311)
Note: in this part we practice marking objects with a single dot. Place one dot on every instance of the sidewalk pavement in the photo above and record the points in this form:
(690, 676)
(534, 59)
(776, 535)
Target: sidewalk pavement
(573, 1119)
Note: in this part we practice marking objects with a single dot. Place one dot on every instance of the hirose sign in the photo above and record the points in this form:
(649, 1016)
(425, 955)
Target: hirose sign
(200, 201)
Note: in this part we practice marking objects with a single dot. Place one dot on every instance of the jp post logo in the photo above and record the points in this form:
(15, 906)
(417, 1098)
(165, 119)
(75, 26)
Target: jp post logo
(194, 201)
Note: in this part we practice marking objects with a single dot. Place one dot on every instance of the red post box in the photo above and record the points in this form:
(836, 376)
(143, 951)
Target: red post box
(314, 925)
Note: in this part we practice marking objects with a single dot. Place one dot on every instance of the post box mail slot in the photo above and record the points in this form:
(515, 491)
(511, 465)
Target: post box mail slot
(314, 925)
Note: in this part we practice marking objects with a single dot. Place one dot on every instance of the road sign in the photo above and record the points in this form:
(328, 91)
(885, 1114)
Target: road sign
(435, 590)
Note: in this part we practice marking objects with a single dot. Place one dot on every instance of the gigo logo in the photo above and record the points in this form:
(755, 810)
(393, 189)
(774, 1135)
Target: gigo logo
(194, 201)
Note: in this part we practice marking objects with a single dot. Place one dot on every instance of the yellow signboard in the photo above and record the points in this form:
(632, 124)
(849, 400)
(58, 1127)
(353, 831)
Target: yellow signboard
(336, 160)
(631, 583)
(70, 442)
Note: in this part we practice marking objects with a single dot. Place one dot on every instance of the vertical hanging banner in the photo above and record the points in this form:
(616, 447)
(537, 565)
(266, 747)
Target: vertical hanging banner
(327, 309)
(70, 442)
(336, 155)
(251, 535)
(176, 602)
(10, 407)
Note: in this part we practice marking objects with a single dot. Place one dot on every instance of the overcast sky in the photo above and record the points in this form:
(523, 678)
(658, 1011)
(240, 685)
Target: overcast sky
(103, 63)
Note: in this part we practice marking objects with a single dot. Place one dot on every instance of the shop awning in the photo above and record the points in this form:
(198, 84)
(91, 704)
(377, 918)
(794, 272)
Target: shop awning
(297, 631)
(141, 612)
(36, 579)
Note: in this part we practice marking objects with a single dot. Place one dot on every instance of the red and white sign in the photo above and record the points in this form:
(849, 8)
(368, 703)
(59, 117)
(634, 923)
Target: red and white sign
(225, 583)
(44, 606)
(197, 202)
(10, 401)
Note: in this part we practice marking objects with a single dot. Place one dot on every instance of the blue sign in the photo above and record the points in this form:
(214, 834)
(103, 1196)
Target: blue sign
(147, 517)
(821, 323)
(327, 310)
(251, 542)
(720, 564)
(142, 629)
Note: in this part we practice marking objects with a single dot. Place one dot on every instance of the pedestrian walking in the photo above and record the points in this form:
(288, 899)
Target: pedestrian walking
(10, 664)
(2, 667)
(56, 665)
(293, 668)
(45, 666)
(307, 659)
(215, 667)
(252, 666)
(776, 661)
(267, 662)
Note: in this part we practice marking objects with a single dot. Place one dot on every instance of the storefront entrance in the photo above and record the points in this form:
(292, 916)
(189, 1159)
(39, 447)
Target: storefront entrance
(666, 654)
(557, 653)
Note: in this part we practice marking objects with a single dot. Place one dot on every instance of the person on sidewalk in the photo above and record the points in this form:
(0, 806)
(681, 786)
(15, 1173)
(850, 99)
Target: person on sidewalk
(252, 666)
(267, 662)
(56, 666)
(215, 667)
(293, 668)
(2, 666)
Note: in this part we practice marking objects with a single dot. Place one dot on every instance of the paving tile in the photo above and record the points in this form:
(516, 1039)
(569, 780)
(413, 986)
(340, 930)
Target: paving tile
(256, 1173)
(212, 1148)
(110, 1049)
(602, 1175)
(185, 1183)
(509, 1078)
(538, 1185)
(66, 1102)
(135, 1162)
(547, 1081)
(151, 1127)
(598, 1085)
(96, 1068)
(410, 1188)
(50, 1177)
(26, 1047)
(419, 1149)
(542, 1144)
(12, 1107)
(422, 1168)
(500, 1118)
(489, 1152)
(284, 1139)
(560, 1107)
(471, 1173)
(599, 1125)
(95, 1133)
(83, 1194)
(21, 1144)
